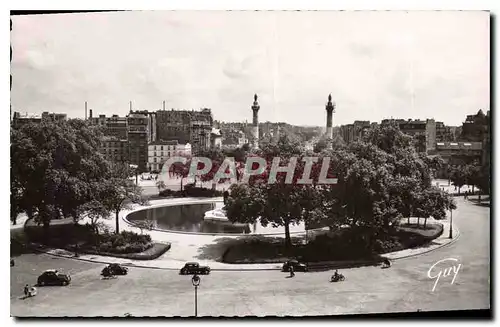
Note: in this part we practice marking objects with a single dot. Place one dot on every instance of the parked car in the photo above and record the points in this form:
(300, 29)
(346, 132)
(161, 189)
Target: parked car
(192, 268)
(297, 266)
(117, 269)
(53, 277)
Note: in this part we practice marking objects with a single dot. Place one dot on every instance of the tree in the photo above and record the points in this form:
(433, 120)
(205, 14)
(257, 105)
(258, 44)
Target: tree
(388, 138)
(320, 145)
(180, 170)
(53, 168)
(94, 210)
(160, 185)
(279, 203)
(459, 176)
(120, 192)
(434, 202)
(379, 180)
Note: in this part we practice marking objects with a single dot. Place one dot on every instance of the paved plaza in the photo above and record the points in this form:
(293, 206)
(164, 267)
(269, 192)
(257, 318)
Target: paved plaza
(163, 292)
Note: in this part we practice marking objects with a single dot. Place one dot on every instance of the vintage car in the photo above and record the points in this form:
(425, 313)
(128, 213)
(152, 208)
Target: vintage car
(192, 268)
(53, 277)
(117, 269)
(297, 266)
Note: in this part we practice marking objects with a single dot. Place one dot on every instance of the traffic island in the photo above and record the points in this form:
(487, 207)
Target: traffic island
(344, 248)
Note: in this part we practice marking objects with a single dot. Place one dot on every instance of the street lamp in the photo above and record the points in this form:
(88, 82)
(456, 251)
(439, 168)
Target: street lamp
(451, 223)
(196, 282)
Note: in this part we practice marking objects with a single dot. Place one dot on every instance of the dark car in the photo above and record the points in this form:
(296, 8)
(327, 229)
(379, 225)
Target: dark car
(117, 269)
(53, 277)
(297, 266)
(192, 268)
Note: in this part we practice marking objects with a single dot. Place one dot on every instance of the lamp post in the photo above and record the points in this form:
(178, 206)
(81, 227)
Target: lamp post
(451, 223)
(196, 282)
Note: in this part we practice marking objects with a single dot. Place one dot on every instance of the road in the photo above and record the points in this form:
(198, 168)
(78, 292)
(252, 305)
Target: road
(148, 292)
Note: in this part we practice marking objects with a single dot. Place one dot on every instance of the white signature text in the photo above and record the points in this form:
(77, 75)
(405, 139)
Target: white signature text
(436, 273)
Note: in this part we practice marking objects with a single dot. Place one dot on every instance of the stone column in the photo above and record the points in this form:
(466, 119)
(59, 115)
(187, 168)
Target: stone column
(255, 123)
(330, 109)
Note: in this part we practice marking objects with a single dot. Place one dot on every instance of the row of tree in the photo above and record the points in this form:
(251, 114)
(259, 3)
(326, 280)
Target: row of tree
(380, 180)
(58, 172)
(471, 174)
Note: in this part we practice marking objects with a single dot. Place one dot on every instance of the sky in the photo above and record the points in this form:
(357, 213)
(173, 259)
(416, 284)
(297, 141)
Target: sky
(375, 64)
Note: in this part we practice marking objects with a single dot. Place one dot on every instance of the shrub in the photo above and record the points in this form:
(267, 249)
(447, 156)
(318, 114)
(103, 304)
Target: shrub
(201, 192)
(123, 238)
(170, 193)
(192, 191)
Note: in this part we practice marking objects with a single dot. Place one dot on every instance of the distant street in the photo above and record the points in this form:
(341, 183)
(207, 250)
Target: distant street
(151, 292)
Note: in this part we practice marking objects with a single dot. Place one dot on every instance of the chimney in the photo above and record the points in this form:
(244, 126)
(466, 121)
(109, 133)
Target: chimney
(90, 113)
(85, 110)
(163, 104)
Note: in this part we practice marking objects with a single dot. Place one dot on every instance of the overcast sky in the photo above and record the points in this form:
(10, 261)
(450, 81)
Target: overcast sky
(375, 64)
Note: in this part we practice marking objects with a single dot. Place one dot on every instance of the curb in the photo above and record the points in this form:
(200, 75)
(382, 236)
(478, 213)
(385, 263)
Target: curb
(430, 250)
(236, 269)
(456, 230)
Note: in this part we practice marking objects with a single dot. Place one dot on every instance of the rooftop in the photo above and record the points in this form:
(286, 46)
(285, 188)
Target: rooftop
(163, 142)
(459, 145)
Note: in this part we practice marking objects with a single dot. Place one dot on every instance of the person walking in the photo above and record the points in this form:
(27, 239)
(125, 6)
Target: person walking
(26, 290)
(292, 273)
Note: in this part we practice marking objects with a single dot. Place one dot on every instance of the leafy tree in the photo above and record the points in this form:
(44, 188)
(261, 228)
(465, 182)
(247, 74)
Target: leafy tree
(459, 176)
(379, 181)
(95, 211)
(484, 180)
(434, 202)
(245, 147)
(180, 170)
(53, 168)
(388, 137)
(120, 192)
(160, 185)
(320, 145)
(277, 204)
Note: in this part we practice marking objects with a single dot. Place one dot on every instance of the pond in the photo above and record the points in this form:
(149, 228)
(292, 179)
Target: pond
(190, 218)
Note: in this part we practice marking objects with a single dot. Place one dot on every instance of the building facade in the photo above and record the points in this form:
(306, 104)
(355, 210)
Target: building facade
(19, 119)
(354, 132)
(423, 132)
(138, 136)
(200, 136)
(216, 138)
(160, 151)
(458, 154)
(475, 127)
(115, 149)
(177, 124)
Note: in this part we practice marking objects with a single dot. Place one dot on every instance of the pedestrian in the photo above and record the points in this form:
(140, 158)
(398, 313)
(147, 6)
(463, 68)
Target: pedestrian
(292, 273)
(26, 290)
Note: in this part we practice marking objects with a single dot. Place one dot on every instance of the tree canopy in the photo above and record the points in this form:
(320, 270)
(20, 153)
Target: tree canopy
(57, 171)
(380, 180)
